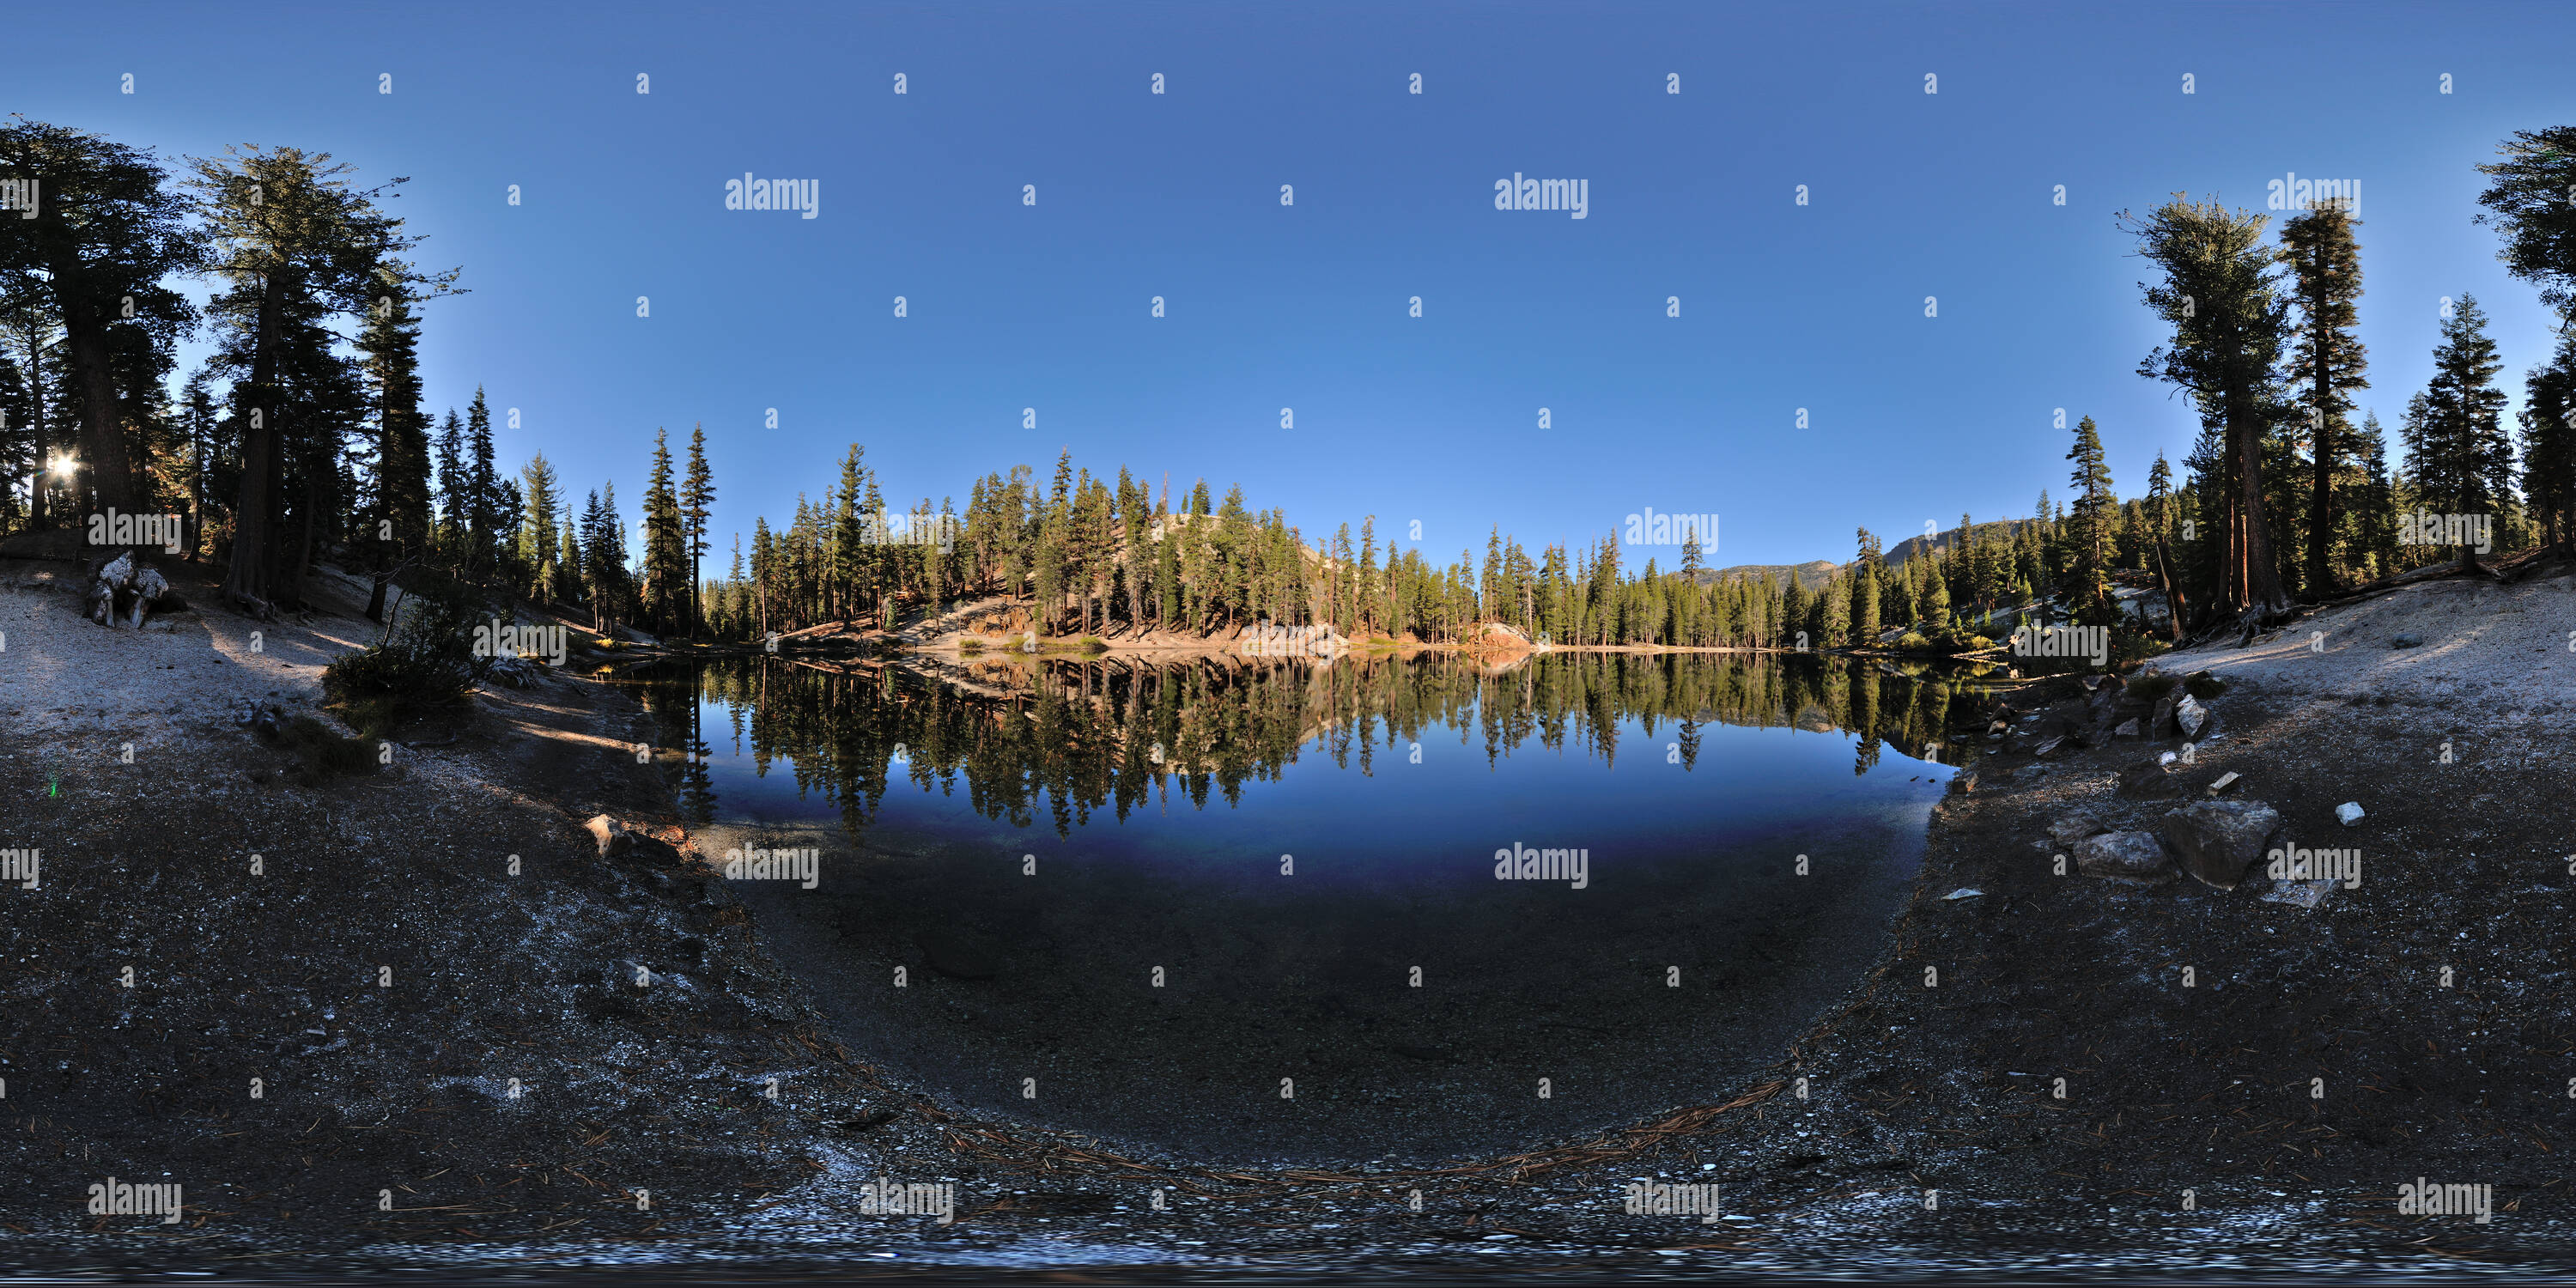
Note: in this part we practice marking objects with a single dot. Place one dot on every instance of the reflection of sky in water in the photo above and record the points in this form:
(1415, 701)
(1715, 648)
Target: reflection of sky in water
(1749, 793)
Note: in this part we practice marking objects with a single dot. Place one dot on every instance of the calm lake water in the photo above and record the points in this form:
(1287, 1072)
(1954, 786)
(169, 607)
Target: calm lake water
(1255, 912)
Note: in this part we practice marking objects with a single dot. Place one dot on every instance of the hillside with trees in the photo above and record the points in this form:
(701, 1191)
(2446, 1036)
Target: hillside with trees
(303, 440)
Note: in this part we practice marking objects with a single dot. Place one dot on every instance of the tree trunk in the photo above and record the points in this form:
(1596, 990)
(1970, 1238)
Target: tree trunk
(38, 518)
(2262, 584)
(2321, 499)
(2173, 593)
(248, 576)
(102, 437)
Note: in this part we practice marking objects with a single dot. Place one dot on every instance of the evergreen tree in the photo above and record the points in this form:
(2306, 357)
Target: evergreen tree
(2549, 446)
(2456, 448)
(666, 560)
(485, 506)
(697, 496)
(2327, 360)
(2528, 204)
(391, 345)
(2094, 516)
(1864, 592)
(2229, 325)
(536, 539)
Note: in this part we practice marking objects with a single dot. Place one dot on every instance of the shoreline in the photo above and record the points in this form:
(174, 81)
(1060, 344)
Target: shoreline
(620, 1079)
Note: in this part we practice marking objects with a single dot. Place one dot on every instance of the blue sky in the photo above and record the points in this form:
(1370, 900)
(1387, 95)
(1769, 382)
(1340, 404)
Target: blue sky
(1267, 306)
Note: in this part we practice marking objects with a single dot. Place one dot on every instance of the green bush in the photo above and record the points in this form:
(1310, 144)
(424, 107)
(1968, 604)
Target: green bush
(427, 662)
(1912, 642)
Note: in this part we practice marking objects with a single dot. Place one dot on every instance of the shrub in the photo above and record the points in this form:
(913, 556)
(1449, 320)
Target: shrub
(425, 662)
(970, 645)
(1913, 642)
(2205, 686)
(2151, 689)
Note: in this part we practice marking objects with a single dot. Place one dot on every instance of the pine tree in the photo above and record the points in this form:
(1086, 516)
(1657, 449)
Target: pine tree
(697, 495)
(2160, 513)
(2094, 516)
(2229, 326)
(536, 538)
(391, 345)
(2527, 203)
(666, 560)
(2456, 448)
(455, 487)
(2549, 446)
(484, 504)
(2327, 361)
(1864, 592)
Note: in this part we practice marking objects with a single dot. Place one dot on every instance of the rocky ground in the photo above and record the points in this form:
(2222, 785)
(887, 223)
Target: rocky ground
(2258, 1118)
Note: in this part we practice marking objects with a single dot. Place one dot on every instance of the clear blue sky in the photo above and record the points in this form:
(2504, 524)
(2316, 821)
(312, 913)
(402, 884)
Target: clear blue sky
(1177, 195)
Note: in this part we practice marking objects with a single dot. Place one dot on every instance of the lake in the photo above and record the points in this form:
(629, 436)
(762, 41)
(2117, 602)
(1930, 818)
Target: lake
(1296, 911)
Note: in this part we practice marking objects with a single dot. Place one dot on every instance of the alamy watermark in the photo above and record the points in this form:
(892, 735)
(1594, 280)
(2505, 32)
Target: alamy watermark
(1270, 639)
(111, 528)
(2290, 192)
(1519, 193)
(2425, 528)
(21, 866)
(511, 640)
(1519, 862)
(20, 195)
(2295, 863)
(1658, 1198)
(889, 1198)
(886, 528)
(116, 1198)
(2425, 1198)
(803, 196)
(1653, 528)
(802, 866)
(2038, 639)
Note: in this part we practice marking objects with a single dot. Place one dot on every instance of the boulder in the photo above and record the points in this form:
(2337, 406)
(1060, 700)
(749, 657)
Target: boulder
(2162, 722)
(2190, 716)
(2127, 729)
(2406, 641)
(2218, 840)
(2075, 827)
(2124, 856)
(613, 837)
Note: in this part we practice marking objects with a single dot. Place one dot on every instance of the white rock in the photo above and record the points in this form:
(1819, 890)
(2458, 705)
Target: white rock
(2348, 813)
(1962, 892)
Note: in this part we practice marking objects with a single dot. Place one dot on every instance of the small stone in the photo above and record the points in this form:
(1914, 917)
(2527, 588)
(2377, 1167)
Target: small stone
(2127, 729)
(2047, 745)
(2348, 813)
(2299, 894)
(2406, 640)
(1962, 892)
(2225, 781)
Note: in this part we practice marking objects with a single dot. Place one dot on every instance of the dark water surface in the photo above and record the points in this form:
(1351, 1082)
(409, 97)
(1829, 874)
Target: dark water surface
(1306, 853)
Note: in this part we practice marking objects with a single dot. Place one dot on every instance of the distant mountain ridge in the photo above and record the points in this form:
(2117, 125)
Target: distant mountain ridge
(1815, 574)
